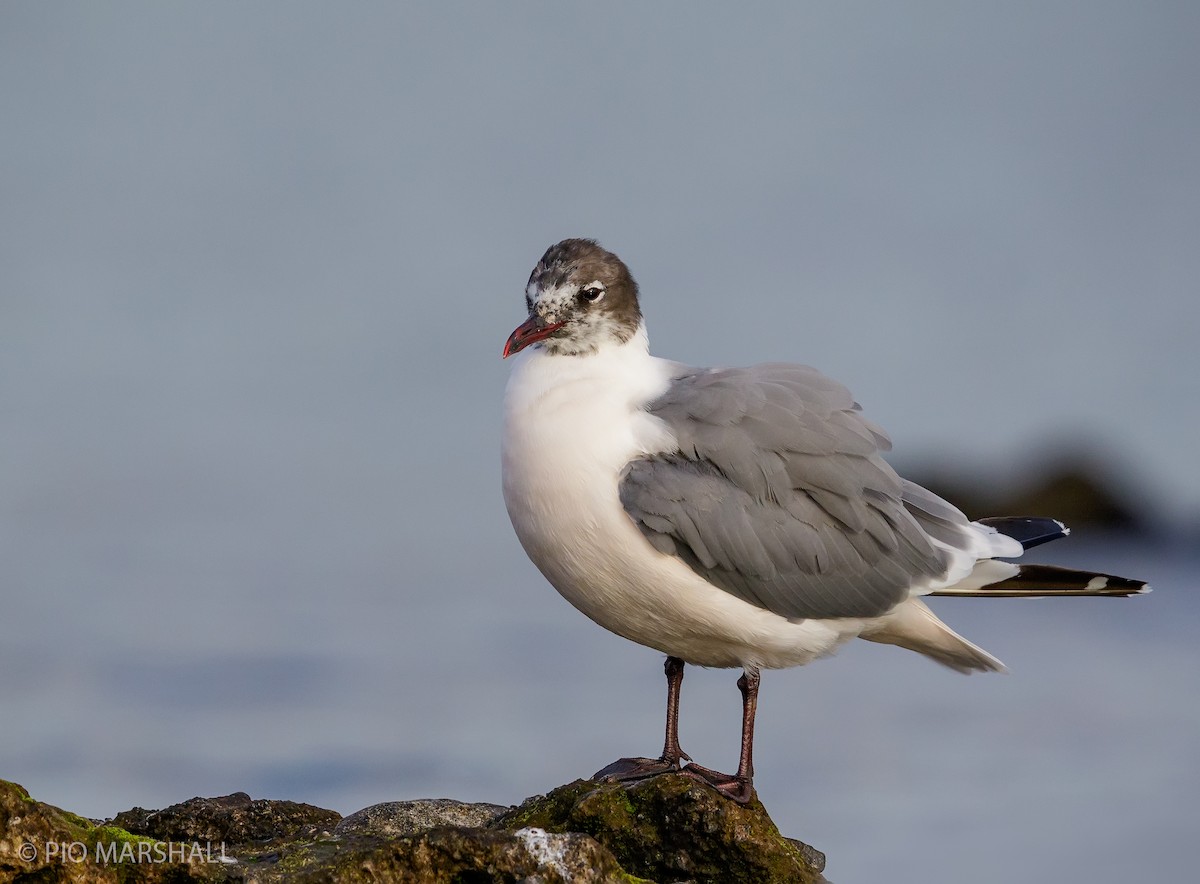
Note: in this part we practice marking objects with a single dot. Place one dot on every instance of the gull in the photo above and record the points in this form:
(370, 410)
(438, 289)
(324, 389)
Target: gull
(729, 517)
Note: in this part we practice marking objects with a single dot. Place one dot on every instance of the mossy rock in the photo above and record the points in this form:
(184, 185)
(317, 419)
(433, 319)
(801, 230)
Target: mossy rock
(665, 830)
(233, 820)
(671, 828)
(450, 854)
(281, 841)
(45, 844)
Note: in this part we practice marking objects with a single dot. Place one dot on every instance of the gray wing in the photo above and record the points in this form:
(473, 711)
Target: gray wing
(778, 495)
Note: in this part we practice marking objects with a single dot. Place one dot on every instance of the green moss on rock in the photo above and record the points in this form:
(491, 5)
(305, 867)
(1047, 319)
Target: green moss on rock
(35, 837)
(233, 820)
(449, 854)
(671, 828)
(668, 829)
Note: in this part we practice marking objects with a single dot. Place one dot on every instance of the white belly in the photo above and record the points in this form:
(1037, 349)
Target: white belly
(565, 442)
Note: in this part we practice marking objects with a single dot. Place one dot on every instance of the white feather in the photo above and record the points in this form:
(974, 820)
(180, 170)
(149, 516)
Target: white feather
(570, 426)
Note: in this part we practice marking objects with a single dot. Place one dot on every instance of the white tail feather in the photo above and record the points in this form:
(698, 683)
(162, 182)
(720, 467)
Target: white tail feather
(912, 625)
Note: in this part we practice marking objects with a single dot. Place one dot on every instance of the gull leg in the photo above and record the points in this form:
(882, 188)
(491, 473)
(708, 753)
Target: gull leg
(740, 786)
(671, 751)
(632, 769)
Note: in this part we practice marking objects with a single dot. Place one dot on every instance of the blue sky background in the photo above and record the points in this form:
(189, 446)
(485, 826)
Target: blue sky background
(258, 262)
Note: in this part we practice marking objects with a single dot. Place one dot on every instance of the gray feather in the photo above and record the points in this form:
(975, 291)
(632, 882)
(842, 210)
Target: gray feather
(936, 517)
(779, 496)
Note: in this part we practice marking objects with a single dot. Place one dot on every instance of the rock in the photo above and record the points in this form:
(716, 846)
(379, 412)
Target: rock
(1077, 496)
(813, 858)
(448, 854)
(394, 818)
(48, 845)
(231, 820)
(1076, 487)
(671, 828)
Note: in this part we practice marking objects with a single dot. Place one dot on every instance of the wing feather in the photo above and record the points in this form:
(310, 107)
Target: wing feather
(778, 495)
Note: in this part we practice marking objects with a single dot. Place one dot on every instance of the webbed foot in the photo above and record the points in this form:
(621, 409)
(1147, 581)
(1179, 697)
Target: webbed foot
(629, 770)
(739, 789)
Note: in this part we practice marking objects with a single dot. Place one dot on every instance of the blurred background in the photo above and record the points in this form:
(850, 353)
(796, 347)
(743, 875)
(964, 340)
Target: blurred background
(257, 263)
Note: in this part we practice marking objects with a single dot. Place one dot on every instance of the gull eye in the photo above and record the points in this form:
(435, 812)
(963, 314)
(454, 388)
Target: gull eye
(592, 293)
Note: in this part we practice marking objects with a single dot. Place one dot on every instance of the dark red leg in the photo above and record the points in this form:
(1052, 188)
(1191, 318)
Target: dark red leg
(671, 751)
(740, 786)
(631, 769)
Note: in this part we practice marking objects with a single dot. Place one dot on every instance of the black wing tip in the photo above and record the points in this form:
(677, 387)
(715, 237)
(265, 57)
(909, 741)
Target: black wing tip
(1067, 581)
(1029, 531)
(1052, 581)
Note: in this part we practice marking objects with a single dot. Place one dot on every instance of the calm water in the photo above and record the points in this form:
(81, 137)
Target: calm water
(1079, 764)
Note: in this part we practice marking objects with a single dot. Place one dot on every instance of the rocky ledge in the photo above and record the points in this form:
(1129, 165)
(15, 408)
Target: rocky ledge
(669, 829)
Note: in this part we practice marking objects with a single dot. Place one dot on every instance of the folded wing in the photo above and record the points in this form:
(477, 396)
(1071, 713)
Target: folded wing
(778, 494)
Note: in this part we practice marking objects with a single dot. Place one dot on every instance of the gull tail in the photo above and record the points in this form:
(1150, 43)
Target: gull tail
(912, 625)
(996, 578)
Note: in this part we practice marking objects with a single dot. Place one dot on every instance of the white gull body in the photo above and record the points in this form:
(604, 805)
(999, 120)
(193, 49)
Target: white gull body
(571, 425)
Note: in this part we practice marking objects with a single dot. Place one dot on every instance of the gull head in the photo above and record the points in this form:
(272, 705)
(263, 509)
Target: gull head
(580, 298)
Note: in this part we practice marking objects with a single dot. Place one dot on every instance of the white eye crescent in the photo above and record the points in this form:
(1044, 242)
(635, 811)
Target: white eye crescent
(593, 292)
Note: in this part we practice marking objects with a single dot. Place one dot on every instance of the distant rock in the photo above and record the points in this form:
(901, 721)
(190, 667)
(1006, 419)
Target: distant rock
(669, 829)
(1075, 488)
(1077, 497)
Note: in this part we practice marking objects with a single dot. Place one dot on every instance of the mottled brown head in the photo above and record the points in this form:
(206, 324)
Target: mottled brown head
(580, 297)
